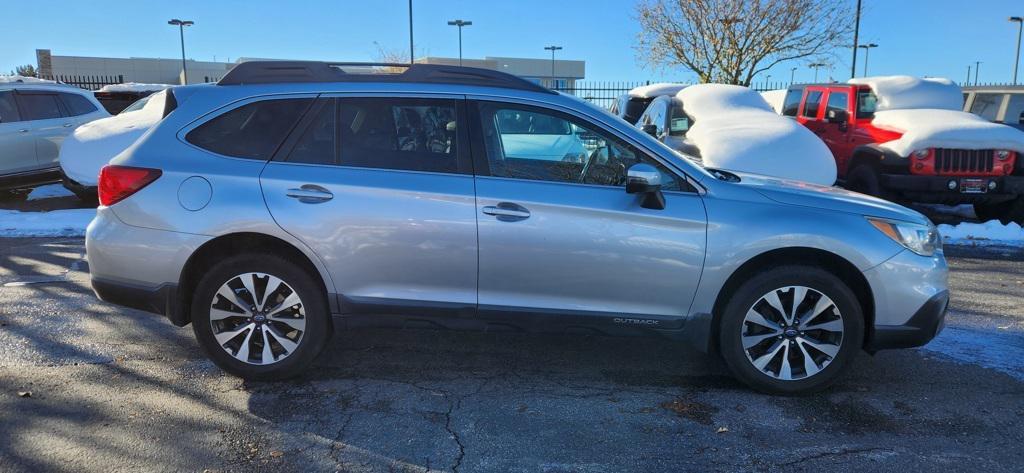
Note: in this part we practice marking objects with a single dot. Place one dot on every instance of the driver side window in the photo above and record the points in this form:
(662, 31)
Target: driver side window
(531, 143)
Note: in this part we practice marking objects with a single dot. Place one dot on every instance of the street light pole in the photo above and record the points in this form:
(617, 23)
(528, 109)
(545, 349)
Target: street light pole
(816, 66)
(412, 53)
(552, 49)
(460, 24)
(1020, 28)
(181, 24)
(867, 52)
(856, 34)
(968, 81)
(977, 66)
(792, 75)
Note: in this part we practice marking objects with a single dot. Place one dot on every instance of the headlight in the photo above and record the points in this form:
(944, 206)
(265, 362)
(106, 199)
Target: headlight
(921, 239)
(921, 154)
(1002, 154)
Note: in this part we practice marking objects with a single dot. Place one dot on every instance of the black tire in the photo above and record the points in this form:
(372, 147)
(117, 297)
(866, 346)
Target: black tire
(318, 324)
(1004, 212)
(731, 325)
(864, 179)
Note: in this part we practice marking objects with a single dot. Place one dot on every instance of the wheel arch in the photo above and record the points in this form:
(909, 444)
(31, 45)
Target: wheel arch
(232, 244)
(831, 262)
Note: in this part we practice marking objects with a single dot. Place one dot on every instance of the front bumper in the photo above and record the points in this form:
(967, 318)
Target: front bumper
(935, 189)
(923, 326)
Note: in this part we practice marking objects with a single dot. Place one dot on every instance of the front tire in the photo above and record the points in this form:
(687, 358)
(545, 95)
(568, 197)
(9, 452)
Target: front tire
(865, 179)
(791, 330)
(260, 317)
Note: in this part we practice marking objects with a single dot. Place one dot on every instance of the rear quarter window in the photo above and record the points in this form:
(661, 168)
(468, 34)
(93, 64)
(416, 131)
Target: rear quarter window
(791, 104)
(252, 131)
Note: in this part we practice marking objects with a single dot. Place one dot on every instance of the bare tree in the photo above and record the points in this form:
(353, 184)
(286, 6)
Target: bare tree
(731, 41)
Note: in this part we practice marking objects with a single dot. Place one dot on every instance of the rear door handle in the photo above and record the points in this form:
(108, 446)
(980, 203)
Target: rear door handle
(507, 211)
(310, 194)
(67, 125)
(23, 130)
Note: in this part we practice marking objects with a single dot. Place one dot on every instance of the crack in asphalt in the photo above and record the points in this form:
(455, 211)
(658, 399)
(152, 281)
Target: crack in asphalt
(835, 453)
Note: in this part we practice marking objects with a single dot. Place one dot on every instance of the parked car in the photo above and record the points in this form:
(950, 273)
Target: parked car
(1000, 104)
(732, 128)
(93, 144)
(292, 192)
(34, 119)
(908, 139)
(631, 105)
(117, 97)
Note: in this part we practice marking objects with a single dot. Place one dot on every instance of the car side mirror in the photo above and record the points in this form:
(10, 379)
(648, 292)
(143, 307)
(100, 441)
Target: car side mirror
(837, 116)
(650, 130)
(645, 180)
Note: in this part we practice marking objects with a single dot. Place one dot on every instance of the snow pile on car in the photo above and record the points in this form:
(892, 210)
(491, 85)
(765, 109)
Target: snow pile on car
(134, 87)
(94, 144)
(656, 90)
(16, 79)
(736, 130)
(928, 113)
(775, 98)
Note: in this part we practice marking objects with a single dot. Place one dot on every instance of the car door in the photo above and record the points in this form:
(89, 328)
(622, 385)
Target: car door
(837, 136)
(17, 145)
(46, 122)
(565, 238)
(381, 188)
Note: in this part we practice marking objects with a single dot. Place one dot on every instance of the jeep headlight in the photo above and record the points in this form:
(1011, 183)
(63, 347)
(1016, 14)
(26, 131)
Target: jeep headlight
(921, 239)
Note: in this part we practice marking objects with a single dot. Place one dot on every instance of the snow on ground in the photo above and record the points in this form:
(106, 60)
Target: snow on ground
(134, 87)
(775, 98)
(48, 192)
(656, 90)
(41, 224)
(983, 234)
(736, 130)
(1000, 350)
(94, 144)
(929, 114)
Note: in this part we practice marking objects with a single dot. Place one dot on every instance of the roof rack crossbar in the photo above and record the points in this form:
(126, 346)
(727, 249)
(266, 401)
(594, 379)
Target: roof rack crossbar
(271, 72)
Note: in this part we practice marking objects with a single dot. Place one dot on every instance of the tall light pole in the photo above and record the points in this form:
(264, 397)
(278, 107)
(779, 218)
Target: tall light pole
(412, 54)
(460, 24)
(867, 52)
(552, 49)
(968, 81)
(181, 24)
(856, 34)
(792, 75)
(977, 66)
(1020, 27)
(816, 66)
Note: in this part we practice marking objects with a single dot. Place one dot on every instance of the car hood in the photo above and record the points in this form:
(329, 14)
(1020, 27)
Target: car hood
(826, 197)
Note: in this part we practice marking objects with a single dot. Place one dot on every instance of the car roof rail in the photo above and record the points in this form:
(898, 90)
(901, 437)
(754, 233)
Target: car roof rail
(273, 72)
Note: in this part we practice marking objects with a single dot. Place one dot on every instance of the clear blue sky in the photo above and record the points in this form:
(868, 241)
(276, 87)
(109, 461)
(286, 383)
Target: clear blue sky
(917, 37)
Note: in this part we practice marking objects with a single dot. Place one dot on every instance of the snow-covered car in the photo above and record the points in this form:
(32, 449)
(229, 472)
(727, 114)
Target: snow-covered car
(35, 118)
(92, 145)
(775, 98)
(666, 120)
(116, 97)
(908, 139)
(631, 105)
(733, 128)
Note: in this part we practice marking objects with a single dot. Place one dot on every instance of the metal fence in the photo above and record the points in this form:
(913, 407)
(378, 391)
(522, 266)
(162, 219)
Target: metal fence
(86, 82)
(604, 93)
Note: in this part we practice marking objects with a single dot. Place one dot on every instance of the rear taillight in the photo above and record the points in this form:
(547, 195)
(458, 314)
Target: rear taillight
(119, 182)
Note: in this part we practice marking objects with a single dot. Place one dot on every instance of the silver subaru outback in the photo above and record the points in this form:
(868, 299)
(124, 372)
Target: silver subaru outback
(295, 198)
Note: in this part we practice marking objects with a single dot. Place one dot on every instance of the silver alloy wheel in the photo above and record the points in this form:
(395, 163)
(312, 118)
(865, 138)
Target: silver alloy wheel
(257, 318)
(792, 332)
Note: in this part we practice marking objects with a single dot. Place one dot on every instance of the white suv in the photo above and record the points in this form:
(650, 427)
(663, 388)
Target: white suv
(34, 119)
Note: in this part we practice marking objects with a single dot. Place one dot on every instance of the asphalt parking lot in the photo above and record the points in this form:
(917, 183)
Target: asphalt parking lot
(86, 386)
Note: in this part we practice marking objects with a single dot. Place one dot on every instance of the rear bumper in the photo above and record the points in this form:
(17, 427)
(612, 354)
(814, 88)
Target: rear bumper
(923, 326)
(76, 187)
(935, 189)
(157, 300)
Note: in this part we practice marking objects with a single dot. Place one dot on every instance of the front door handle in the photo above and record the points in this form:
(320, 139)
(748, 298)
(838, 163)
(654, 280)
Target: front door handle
(67, 125)
(23, 130)
(310, 194)
(507, 212)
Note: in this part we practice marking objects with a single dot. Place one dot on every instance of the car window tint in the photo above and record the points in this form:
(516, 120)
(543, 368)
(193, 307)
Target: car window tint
(1014, 110)
(318, 144)
(252, 131)
(8, 108)
(679, 122)
(76, 104)
(867, 104)
(792, 102)
(406, 134)
(39, 106)
(987, 105)
(527, 143)
(837, 101)
(811, 104)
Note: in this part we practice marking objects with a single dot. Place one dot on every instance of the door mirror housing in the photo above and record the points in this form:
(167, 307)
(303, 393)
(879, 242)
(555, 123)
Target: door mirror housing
(650, 129)
(837, 116)
(645, 180)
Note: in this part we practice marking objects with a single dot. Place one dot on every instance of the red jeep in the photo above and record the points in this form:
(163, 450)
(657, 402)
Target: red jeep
(841, 114)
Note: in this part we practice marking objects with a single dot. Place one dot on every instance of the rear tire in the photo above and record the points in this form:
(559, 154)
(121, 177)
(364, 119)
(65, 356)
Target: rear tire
(1004, 212)
(294, 321)
(797, 356)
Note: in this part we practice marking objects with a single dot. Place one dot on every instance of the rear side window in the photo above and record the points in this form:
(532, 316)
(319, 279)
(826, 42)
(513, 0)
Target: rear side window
(319, 142)
(39, 106)
(791, 103)
(812, 103)
(406, 134)
(252, 131)
(987, 105)
(76, 104)
(8, 107)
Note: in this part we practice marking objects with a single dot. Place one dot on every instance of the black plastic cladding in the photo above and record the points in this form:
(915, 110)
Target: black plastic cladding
(272, 72)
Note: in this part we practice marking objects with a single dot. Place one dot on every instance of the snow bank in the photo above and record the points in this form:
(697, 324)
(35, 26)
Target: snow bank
(656, 90)
(736, 130)
(94, 144)
(983, 234)
(929, 114)
(24, 79)
(39, 224)
(48, 192)
(775, 98)
(134, 87)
